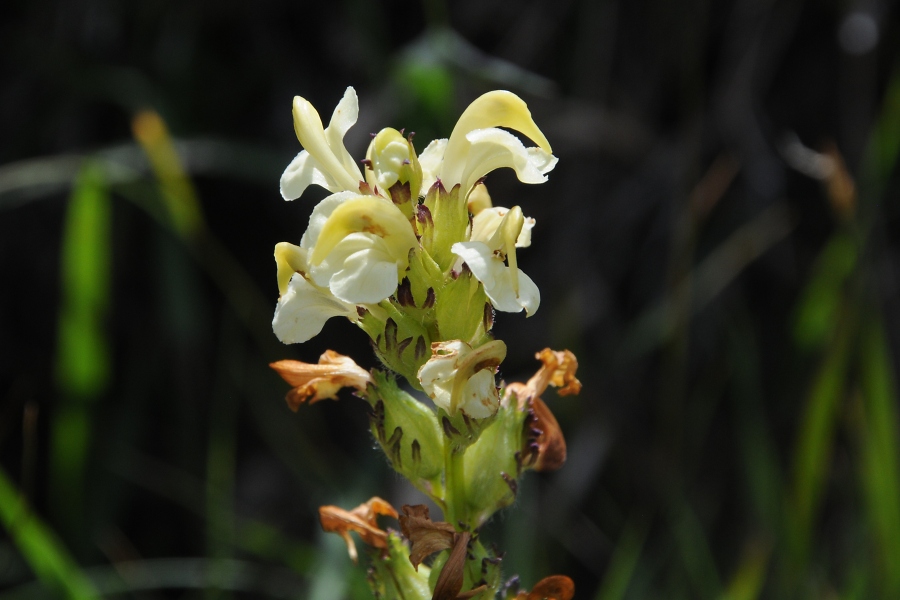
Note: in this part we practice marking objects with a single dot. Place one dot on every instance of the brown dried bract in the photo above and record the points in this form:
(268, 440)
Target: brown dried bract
(321, 381)
(361, 519)
(555, 587)
(425, 536)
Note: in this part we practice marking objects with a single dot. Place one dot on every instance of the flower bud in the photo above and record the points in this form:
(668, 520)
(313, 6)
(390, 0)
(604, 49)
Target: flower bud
(392, 166)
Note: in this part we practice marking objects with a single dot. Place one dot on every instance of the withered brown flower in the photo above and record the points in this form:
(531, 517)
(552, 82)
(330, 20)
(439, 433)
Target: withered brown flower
(361, 519)
(321, 381)
(548, 450)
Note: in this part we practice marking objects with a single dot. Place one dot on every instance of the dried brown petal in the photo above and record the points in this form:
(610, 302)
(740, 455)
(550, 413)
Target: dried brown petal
(425, 536)
(551, 443)
(450, 580)
(555, 587)
(361, 519)
(321, 381)
(558, 369)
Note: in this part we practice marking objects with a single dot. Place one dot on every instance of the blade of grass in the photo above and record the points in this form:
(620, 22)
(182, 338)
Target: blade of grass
(696, 554)
(750, 576)
(819, 305)
(765, 480)
(812, 454)
(880, 471)
(220, 457)
(884, 144)
(624, 560)
(45, 554)
(177, 190)
(82, 364)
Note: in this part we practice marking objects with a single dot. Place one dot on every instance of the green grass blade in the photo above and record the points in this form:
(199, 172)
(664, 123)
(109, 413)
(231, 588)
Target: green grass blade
(39, 546)
(812, 455)
(82, 363)
(818, 308)
(884, 144)
(696, 554)
(182, 205)
(750, 576)
(880, 471)
(624, 561)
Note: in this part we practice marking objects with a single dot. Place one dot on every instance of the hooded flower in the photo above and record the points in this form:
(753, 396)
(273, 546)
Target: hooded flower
(359, 247)
(324, 160)
(459, 378)
(303, 307)
(495, 238)
(477, 146)
(354, 252)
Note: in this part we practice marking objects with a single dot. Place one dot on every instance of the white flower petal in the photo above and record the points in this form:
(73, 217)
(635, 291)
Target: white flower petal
(493, 148)
(359, 269)
(480, 399)
(430, 160)
(344, 117)
(303, 309)
(327, 147)
(367, 277)
(303, 172)
(436, 377)
(498, 108)
(320, 215)
(496, 278)
(453, 360)
(486, 222)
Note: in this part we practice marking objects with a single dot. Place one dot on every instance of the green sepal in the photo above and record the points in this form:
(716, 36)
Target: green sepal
(404, 343)
(437, 565)
(408, 433)
(424, 274)
(461, 430)
(393, 576)
(449, 220)
(482, 568)
(492, 465)
(462, 309)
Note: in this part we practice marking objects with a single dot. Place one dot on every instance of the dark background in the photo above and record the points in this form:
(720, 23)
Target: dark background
(718, 244)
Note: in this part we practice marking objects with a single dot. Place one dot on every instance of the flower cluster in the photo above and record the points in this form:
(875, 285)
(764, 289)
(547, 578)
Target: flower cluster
(411, 248)
(393, 248)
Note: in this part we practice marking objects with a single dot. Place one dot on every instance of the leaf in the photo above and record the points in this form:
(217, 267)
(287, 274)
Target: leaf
(879, 445)
(45, 554)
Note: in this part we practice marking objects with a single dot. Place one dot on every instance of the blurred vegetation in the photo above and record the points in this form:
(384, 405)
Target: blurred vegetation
(718, 245)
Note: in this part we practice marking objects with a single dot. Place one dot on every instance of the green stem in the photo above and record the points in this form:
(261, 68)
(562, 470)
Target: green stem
(454, 475)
